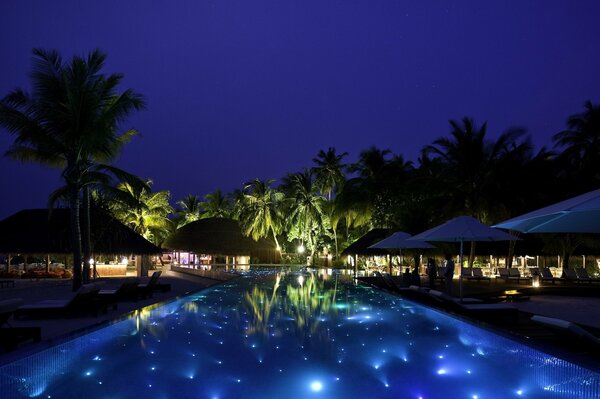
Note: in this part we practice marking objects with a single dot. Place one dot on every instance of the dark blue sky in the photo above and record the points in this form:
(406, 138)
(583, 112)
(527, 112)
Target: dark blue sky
(243, 89)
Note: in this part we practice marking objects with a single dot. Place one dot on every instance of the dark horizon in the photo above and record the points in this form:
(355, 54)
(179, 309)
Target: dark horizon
(238, 91)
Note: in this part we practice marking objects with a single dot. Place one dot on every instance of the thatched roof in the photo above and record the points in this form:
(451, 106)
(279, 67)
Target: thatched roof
(361, 246)
(38, 231)
(220, 236)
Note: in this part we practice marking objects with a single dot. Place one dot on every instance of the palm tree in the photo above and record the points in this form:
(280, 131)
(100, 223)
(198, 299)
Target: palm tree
(472, 169)
(330, 179)
(189, 211)
(215, 205)
(373, 194)
(146, 212)
(259, 210)
(469, 167)
(306, 207)
(69, 121)
(580, 145)
(329, 171)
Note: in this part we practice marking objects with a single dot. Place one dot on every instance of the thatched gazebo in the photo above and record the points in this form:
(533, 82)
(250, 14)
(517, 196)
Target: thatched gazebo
(360, 247)
(220, 237)
(47, 232)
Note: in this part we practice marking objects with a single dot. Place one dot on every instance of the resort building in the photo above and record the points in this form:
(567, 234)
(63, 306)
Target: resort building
(38, 242)
(211, 242)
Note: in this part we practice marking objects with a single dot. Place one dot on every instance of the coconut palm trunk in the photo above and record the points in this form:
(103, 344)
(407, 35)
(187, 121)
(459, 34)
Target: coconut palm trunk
(86, 236)
(75, 237)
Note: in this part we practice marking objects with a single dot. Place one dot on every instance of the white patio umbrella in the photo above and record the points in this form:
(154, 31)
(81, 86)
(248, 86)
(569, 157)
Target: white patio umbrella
(399, 240)
(579, 214)
(461, 229)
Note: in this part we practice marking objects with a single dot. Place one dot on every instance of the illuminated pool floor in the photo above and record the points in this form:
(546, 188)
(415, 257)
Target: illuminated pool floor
(294, 336)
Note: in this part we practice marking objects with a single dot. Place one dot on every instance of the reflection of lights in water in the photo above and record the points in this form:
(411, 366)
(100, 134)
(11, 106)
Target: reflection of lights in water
(442, 371)
(520, 392)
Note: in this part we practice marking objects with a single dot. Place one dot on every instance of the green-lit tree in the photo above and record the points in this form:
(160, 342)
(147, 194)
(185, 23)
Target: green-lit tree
(146, 212)
(259, 210)
(189, 210)
(305, 206)
(330, 178)
(215, 205)
(69, 121)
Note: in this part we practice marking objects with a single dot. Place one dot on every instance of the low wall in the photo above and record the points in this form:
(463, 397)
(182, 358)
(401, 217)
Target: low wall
(212, 274)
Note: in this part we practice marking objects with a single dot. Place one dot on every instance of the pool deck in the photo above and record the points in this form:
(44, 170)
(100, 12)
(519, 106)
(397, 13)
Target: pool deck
(57, 329)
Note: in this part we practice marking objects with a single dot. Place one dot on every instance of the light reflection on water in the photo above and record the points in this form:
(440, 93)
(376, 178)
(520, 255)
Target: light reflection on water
(294, 335)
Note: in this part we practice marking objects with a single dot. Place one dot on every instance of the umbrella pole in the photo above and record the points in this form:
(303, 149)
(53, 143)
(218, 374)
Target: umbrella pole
(460, 258)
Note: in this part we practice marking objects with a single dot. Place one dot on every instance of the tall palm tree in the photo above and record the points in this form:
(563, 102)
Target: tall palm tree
(259, 210)
(189, 210)
(69, 121)
(150, 214)
(470, 167)
(580, 145)
(374, 192)
(330, 178)
(473, 168)
(215, 205)
(306, 207)
(329, 171)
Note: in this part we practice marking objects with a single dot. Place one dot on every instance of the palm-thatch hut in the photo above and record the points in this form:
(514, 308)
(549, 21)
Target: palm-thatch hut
(360, 247)
(46, 233)
(205, 239)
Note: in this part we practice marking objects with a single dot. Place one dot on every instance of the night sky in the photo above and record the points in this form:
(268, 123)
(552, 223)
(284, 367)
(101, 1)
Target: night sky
(239, 89)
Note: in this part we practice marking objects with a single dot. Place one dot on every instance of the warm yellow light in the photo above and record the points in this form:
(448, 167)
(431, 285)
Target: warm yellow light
(535, 283)
(91, 261)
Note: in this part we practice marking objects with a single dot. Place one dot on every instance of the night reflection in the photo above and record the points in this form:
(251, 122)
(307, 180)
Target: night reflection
(303, 302)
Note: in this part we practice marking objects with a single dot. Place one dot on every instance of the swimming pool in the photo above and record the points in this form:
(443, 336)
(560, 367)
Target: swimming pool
(294, 335)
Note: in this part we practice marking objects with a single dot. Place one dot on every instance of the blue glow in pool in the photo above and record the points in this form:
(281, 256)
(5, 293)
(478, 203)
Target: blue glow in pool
(294, 336)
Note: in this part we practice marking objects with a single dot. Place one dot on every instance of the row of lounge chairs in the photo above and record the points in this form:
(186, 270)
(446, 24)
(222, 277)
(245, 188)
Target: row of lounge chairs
(474, 307)
(89, 299)
(577, 275)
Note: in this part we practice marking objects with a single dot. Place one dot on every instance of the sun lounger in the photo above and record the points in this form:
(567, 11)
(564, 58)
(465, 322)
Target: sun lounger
(476, 274)
(10, 336)
(566, 327)
(128, 290)
(515, 274)
(387, 281)
(153, 285)
(582, 275)
(569, 275)
(84, 301)
(546, 275)
(440, 273)
(474, 307)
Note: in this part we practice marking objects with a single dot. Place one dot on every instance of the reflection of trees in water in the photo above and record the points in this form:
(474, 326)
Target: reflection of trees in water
(260, 306)
(146, 327)
(306, 302)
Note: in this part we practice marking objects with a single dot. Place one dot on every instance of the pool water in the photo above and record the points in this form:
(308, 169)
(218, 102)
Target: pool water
(294, 335)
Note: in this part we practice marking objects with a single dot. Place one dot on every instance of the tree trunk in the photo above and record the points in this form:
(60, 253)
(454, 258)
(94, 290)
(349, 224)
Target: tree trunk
(336, 242)
(75, 237)
(511, 253)
(472, 254)
(86, 236)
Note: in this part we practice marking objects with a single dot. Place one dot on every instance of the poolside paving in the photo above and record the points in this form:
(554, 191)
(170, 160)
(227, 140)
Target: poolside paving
(57, 329)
